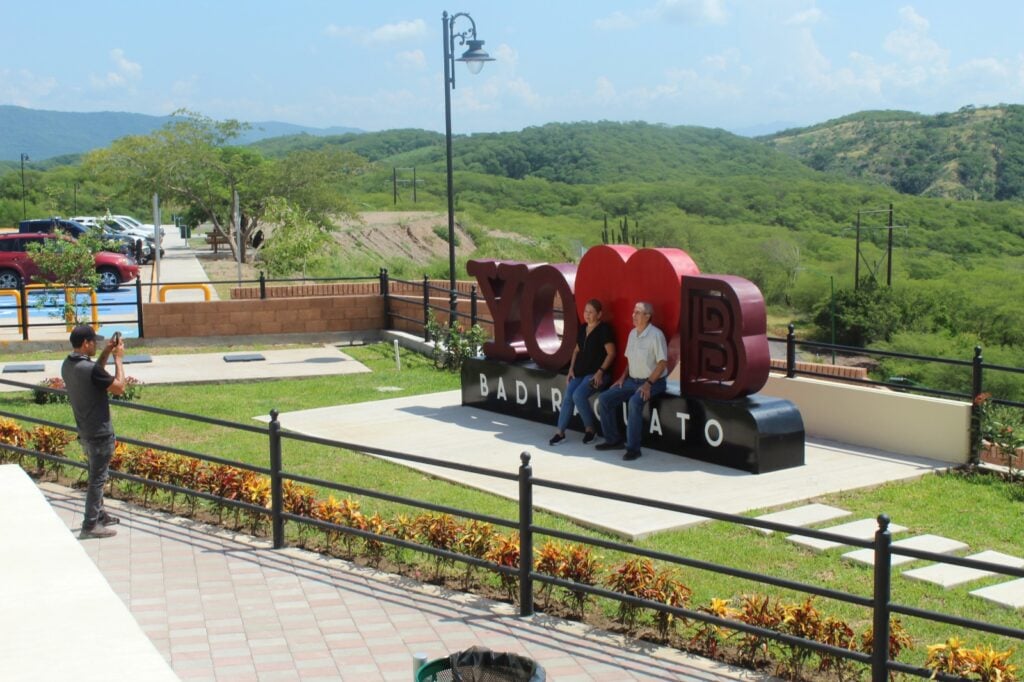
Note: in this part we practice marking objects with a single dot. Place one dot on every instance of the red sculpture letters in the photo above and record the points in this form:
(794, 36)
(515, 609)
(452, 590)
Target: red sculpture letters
(714, 324)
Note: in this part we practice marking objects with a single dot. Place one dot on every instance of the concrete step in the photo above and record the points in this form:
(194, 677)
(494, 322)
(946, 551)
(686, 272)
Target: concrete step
(856, 530)
(925, 543)
(948, 575)
(806, 515)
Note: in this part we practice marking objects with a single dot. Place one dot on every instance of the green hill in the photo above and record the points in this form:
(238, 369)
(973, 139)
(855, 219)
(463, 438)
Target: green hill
(974, 153)
(572, 153)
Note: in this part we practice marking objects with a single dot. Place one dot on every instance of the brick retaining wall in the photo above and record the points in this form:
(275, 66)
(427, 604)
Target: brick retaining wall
(309, 314)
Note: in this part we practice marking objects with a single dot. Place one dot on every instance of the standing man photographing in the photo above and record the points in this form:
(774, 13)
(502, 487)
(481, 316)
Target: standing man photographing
(89, 385)
(644, 378)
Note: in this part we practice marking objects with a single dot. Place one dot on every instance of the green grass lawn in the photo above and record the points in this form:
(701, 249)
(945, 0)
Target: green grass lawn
(982, 511)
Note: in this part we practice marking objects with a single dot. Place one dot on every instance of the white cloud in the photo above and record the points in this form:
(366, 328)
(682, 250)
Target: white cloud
(24, 88)
(616, 21)
(808, 17)
(413, 60)
(506, 56)
(604, 90)
(335, 31)
(691, 11)
(911, 43)
(403, 30)
(125, 71)
(127, 68)
(667, 11)
(722, 61)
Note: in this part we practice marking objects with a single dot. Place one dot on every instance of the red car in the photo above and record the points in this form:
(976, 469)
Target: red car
(17, 266)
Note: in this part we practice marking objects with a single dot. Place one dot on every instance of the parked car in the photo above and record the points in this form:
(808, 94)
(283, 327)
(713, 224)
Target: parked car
(111, 225)
(128, 245)
(17, 266)
(128, 220)
(51, 225)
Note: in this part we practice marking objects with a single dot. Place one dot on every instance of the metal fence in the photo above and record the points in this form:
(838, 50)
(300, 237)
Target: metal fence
(879, 601)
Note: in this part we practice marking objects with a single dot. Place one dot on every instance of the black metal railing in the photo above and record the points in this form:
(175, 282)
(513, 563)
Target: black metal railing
(879, 601)
(425, 300)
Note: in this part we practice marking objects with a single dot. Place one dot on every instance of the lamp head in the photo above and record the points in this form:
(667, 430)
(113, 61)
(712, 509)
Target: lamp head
(475, 56)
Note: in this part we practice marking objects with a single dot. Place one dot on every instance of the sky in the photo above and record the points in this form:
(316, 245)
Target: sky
(749, 66)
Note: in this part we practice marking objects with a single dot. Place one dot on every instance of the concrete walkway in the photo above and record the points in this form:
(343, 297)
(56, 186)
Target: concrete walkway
(221, 606)
(445, 430)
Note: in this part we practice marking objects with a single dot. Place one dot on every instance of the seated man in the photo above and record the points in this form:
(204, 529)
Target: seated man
(644, 378)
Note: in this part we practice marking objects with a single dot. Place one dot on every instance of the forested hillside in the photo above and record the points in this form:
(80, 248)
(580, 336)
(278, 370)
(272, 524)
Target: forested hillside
(573, 153)
(974, 153)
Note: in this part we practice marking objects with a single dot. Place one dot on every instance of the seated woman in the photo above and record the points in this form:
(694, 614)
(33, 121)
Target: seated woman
(589, 371)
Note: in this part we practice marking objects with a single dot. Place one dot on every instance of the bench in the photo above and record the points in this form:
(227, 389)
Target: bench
(215, 239)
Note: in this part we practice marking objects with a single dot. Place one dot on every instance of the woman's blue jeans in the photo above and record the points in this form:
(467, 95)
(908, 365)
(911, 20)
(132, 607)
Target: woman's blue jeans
(577, 394)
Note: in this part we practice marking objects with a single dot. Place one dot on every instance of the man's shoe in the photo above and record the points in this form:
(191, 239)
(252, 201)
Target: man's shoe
(611, 445)
(589, 437)
(109, 519)
(556, 439)
(96, 532)
(631, 455)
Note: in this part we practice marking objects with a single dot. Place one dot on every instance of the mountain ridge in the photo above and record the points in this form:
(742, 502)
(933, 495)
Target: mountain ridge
(43, 134)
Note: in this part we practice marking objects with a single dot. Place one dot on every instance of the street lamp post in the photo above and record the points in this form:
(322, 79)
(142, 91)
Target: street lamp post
(474, 57)
(24, 158)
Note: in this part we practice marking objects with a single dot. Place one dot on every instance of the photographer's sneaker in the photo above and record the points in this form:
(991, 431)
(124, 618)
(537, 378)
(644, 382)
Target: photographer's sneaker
(97, 531)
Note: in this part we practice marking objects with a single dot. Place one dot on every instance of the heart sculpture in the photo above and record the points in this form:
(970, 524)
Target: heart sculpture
(619, 276)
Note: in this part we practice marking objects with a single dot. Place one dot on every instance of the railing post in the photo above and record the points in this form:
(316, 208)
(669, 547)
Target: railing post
(453, 308)
(276, 485)
(138, 306)
(426, 308)
(24, 310)
(525, 535)
(976, 389)
(472, 306)
(263, 286)
(791, 351)
(883, 585)
(386, 295)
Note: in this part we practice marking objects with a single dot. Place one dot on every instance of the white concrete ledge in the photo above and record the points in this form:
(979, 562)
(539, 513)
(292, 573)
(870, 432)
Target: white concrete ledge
(59, 618)
(915, 425)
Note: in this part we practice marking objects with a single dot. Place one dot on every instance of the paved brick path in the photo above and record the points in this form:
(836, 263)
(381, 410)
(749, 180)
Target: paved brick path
(221, 606)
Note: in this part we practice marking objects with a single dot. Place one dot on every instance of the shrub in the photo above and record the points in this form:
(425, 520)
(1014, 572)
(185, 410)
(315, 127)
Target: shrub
(132, 391)
(984, 664)
(43, 397)
(505, 552)
(11, 434)
(439, 531)
(452, 345)
(474, 540)
(633, 577)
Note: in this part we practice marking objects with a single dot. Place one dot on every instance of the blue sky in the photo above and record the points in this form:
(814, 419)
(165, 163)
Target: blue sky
(744, 65)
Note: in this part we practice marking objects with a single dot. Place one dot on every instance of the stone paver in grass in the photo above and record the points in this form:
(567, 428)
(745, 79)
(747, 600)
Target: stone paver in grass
(925, 543)
(949, 575)
(1010, 595)
(856, 530)
(806, 515)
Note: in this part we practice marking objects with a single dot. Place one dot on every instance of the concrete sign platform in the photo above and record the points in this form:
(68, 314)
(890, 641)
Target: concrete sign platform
(438, 426)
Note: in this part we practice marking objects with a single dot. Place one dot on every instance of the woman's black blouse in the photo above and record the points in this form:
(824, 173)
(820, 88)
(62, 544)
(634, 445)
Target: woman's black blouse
(591, 348)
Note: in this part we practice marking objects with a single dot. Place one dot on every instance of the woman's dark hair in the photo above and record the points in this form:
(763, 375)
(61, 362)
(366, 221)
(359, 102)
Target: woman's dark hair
(596, 304)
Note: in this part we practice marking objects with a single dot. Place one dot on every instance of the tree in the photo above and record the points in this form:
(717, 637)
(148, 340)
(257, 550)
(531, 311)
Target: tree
(191, 163)
(72, 265)
(296, 243)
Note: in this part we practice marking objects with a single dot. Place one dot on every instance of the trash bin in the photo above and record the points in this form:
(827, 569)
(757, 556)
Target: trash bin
(480, 664)
(184, 230)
